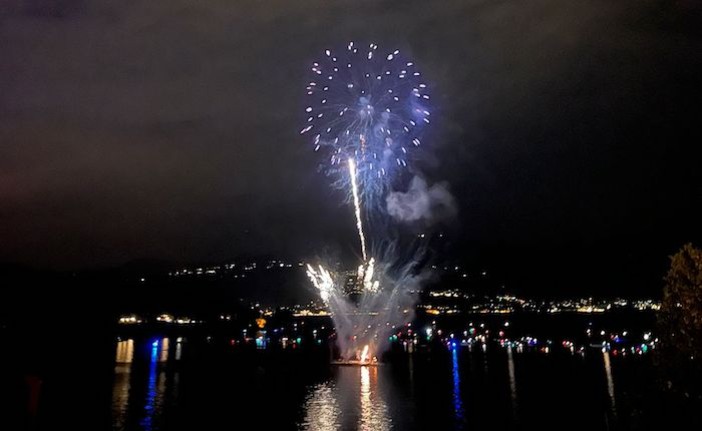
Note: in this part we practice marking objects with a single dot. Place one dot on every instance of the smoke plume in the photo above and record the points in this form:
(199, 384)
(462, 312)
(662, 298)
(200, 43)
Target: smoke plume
(422, 202)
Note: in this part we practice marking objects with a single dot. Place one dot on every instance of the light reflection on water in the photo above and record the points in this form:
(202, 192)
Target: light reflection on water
(125, 352)
(146, 389)
(155, 393)
(179, 350)
(163, 357)
(332, 405)
(120, 391)
(512, 381)
(374, 410)
(610, 382)
(457, 400)
(126, 394)
(322, 410)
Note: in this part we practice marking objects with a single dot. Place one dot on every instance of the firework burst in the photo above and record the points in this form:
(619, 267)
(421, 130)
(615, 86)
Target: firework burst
(368, 105)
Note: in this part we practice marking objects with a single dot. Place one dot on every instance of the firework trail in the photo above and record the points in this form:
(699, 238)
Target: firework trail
(367, 109)
(370, 106)
(357, 208)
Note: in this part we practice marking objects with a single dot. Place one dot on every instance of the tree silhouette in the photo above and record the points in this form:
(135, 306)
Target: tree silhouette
(680, 320)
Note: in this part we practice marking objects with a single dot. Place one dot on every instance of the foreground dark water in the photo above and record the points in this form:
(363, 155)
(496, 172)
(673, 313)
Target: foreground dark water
(192, 383)
(166, 384)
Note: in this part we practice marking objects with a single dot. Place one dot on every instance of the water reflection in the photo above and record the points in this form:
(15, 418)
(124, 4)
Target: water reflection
(457, 400)
(179, 349)
(610, 382)
(125, 352)
(120, 390)
(386, 397)
(157, 384)
(512, 380)
(132, 407)
(411, 373)
(333, 405)
(374, 410)
(322, 410)
(163, 357)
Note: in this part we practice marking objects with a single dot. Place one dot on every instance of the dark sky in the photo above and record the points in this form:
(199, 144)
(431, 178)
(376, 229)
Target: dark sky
(168, 129)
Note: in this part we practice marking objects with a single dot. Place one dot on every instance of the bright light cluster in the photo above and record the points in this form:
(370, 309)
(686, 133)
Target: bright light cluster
(322, 280)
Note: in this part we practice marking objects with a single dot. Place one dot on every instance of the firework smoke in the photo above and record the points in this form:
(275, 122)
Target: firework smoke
(421, 202)
(386, 301)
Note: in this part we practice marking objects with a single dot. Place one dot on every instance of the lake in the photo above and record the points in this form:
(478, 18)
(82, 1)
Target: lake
(173, 379)
(179, 384)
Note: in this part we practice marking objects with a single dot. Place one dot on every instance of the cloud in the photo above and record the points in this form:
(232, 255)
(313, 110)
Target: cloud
(422, 202)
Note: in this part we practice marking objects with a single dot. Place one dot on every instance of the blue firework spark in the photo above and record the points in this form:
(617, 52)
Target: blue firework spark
(368, 105)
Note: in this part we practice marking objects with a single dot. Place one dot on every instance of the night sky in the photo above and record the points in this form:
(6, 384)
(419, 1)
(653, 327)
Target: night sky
(568, 131)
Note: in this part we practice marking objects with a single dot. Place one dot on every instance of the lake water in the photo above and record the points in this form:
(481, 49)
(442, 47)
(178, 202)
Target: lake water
(179, 384)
